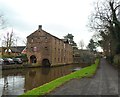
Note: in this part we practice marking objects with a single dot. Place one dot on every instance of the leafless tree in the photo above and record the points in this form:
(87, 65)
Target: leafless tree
(104, 17)
(8, 41)
(81, 44)
(104, 20)
(24, 41)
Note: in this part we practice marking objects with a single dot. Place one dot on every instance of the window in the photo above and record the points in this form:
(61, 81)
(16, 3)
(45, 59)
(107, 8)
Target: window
(46, 48)
(31, 48)
(58, 59)
(32, 40)
(64, 45)
(35, 49)
(46, 40)
(55, 60)
(55, 49)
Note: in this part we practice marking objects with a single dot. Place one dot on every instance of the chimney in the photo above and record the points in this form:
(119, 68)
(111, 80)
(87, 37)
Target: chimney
(40, 27)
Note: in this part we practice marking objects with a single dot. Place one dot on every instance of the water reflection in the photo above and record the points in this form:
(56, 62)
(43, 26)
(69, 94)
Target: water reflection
(18, 81)
(12, 85)
(41, 76)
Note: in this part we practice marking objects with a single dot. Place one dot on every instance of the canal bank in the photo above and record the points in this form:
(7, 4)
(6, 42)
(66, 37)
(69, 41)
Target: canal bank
(46, 88)
(19, 81)
(16, 66)
(21, 66)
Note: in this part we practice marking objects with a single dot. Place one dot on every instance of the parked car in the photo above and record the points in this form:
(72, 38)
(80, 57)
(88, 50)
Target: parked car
(18, 60)
(8, 61)
(1, 61)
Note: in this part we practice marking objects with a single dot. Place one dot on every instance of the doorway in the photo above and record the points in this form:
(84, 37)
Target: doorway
(46, 63)
(33, 59)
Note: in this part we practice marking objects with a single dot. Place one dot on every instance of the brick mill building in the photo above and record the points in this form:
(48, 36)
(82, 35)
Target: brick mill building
(47, 50)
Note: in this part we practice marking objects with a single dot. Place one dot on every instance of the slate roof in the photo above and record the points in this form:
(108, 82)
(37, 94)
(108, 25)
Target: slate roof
(15, 49)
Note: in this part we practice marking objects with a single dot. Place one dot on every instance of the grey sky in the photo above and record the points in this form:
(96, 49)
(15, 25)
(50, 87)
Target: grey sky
(58, 17)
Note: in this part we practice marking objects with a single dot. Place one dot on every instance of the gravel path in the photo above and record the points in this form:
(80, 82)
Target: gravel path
(105, 82)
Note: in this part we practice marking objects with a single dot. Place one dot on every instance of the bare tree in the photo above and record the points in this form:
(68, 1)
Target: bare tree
(25, 41)
(81, 44)
(104, 20)
(8, 41)
(104, 17)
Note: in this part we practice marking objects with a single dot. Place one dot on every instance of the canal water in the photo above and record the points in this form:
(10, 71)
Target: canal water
(18, 81)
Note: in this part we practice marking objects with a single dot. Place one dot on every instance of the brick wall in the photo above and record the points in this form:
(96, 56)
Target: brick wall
(46, 46)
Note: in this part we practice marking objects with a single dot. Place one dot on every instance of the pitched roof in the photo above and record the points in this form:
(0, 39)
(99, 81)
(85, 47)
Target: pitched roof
(17, 49)
(41, 30)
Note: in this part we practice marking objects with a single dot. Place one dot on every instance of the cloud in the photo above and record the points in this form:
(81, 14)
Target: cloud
(58, 17)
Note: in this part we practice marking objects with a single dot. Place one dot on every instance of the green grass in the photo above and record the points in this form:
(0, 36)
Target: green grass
(46, 88)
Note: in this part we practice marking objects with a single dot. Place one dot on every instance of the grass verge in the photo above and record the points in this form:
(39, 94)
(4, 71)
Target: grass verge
(46, 88)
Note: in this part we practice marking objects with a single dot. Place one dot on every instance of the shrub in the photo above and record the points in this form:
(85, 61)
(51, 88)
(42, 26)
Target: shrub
(23, 57)
(7, 56)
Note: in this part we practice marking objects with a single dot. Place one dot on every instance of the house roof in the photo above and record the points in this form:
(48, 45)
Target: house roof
(17, 49)
(41, 30)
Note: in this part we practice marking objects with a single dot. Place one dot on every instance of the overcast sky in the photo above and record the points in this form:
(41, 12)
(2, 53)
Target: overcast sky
(58, 17)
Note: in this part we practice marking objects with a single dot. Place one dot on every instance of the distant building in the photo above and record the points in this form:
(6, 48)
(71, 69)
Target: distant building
(14, 50)
(46, 49)
(83, 56)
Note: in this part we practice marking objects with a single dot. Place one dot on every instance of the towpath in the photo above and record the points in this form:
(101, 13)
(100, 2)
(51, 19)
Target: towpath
(105, 82)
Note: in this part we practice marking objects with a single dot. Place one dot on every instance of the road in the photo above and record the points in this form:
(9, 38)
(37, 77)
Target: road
(105, 82)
